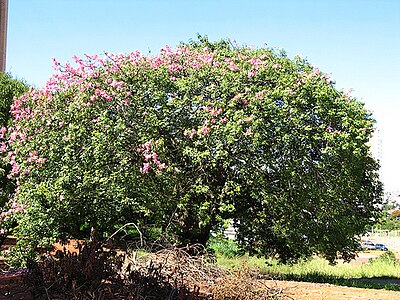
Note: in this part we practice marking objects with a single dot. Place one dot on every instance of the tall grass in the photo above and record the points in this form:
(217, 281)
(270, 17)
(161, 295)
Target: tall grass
(380, 272)
(372, 269)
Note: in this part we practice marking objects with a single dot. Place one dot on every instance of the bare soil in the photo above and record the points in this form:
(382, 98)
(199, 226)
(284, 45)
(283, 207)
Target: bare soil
(319, 291)
(11, 288)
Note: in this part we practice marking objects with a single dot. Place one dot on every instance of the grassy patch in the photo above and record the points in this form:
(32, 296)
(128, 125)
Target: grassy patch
(382, 272)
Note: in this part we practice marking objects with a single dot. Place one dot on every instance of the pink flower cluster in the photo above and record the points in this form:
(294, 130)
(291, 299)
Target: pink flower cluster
(11, 159)
(150, 157)
(15, 135)
(96, 79)
(314, 73)
(14, 209)
(190, 133)
(35, 159)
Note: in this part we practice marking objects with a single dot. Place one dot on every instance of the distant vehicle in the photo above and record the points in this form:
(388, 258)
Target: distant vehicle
(381, 247)
(367, 246)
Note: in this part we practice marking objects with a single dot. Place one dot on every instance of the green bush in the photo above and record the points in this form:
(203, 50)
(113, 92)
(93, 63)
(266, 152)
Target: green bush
(387, 257)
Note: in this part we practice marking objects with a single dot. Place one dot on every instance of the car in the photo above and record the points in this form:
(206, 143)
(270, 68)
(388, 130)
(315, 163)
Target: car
(368, 245)
(381, 247)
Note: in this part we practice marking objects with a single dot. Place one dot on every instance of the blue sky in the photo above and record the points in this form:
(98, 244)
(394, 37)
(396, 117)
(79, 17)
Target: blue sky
(357, 41)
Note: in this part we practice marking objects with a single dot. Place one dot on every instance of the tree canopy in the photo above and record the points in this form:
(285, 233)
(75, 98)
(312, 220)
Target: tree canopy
(9, 88)
(193, 136)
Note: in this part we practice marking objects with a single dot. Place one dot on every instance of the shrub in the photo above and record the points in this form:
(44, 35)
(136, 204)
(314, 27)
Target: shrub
(386, 257)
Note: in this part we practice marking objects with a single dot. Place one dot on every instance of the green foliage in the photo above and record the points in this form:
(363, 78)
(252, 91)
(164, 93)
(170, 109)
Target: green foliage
(224, 247)
(22, 255)
(390, 221)
(191, 137)
(387, 257)
(9, 88)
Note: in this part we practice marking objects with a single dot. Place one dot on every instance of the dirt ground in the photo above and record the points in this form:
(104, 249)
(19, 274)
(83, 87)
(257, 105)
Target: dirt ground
(319, 291)
(324, 291)
(11, 287)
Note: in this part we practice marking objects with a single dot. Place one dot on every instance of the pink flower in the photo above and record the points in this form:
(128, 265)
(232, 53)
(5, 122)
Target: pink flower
(147, 145)
(215, 111)
(145, 168)
(205, 129)
(147, 157)
(3, 130)
(251, 73)
(192, 133)
(248, 119)
(15, 169)
(260, 95)
(13, 136)
(233, 67)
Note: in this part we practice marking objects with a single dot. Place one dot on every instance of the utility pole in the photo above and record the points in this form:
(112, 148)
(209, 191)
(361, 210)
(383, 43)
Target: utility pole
(3, 33)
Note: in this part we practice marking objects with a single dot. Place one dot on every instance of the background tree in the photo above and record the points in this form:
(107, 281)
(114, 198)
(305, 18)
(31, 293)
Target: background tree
(9, 88)
(190, 137)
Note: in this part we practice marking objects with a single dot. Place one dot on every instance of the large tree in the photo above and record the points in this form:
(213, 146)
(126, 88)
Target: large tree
(193, 136)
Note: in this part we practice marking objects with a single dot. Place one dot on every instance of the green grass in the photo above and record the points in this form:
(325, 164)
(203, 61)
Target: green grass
(379, 273)
(223, 247)
(367, 275)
